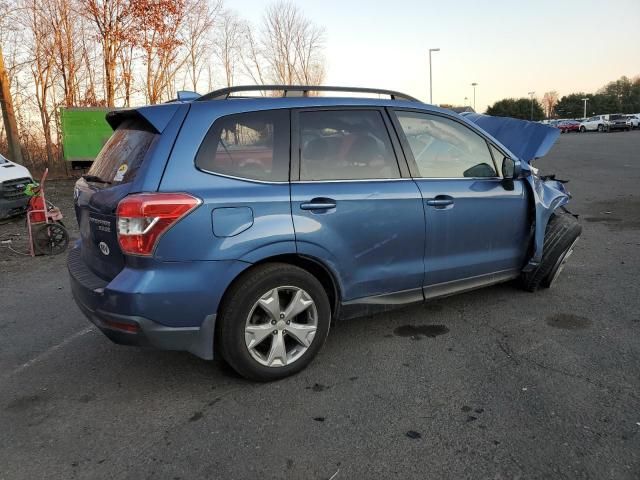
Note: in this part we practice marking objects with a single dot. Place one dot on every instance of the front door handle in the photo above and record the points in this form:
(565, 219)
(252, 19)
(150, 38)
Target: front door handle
(440, 201)
(318, 204)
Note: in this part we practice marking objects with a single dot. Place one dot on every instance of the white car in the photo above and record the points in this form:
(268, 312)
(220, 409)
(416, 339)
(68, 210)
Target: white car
(13, 179)
(596, 123)
(633, 120)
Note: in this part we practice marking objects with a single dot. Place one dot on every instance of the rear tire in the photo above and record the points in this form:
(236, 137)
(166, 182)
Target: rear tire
(563, 231)
(583, 129)
(256, 332)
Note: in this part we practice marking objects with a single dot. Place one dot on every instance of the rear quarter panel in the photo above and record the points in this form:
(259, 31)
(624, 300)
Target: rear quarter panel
(270, 231)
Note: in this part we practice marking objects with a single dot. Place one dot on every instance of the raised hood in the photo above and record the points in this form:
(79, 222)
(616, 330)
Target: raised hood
(527, 140)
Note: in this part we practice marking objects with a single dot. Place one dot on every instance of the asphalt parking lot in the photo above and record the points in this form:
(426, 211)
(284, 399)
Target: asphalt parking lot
(501, 384)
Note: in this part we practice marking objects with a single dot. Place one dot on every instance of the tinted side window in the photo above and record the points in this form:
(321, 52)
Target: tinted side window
(444, 148)
(345, 145)
(252, 145)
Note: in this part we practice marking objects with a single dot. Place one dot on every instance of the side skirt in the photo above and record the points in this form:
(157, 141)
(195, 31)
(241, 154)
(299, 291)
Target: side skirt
(464, 285)
(364, 306)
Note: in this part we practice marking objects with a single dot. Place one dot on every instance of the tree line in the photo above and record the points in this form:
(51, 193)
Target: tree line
(619, 96)
(120, 53)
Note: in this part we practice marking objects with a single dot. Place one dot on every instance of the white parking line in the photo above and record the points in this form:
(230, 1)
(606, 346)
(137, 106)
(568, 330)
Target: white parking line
(47, 352)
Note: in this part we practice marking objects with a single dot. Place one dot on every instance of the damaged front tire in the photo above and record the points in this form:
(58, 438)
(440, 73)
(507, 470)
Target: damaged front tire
(563, 231)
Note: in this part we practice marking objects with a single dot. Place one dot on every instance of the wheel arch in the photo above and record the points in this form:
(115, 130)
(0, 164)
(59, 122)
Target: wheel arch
(314, 266)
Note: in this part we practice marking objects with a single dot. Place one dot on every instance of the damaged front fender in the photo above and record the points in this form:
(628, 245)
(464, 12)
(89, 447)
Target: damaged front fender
(548, 195)
(527, 141)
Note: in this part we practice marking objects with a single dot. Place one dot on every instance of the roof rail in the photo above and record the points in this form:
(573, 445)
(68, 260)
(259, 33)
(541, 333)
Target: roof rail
(225, 93)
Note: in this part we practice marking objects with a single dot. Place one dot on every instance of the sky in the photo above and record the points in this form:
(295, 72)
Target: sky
(509, 48)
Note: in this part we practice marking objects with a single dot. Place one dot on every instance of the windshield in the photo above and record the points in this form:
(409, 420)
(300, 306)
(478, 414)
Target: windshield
(615, 117)
(3, 160)
(122, 155)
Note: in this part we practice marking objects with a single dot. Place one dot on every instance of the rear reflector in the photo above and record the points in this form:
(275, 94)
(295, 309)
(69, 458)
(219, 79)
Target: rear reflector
(124, 327)
(144, 217)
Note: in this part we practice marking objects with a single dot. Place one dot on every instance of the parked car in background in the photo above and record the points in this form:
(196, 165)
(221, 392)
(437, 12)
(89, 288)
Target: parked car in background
(633, 121)
(13, 180)
(617, 121)
(247, 225)
(595, 123)
(567, 126)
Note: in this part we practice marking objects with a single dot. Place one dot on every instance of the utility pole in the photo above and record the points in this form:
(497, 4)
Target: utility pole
(474, 84)
(430, 77)
(585, 107)
(8, 117)
(532, 94)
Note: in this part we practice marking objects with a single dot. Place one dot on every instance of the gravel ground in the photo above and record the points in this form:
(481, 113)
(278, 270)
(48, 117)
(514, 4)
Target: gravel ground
(496, 383)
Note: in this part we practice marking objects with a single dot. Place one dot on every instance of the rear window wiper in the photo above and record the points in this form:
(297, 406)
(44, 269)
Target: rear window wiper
(95, 178)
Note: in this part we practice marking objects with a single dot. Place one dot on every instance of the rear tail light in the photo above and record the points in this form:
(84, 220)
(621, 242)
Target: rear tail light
(143, 218)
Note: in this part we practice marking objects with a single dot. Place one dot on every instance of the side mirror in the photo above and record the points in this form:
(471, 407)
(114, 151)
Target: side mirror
(510, 171)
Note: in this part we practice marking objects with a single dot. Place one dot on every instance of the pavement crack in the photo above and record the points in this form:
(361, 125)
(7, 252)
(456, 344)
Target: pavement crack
(580, 377)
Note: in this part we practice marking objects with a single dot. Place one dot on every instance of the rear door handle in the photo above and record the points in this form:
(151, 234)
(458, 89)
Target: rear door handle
(318, 204)
(440, 201)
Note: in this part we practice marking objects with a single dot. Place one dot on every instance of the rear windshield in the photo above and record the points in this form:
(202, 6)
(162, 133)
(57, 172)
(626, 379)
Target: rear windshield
(122, 155)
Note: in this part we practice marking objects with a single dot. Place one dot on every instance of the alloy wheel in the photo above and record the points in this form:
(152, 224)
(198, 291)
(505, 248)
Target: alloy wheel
(281, 326)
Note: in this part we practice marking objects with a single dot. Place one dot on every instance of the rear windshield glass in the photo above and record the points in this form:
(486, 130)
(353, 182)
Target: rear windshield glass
(122, 155)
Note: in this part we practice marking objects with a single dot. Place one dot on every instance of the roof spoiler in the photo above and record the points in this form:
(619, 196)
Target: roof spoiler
(157, 116)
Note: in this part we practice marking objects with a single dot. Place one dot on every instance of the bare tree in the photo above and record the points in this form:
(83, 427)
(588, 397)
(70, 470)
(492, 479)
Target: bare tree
(229, 43)
(113, 20)
(251, 56)
(157, 23)
(63, 26)
(549, 101)
(42, 68)
(292, 45)
(8, 115)
(287, 49)
(199, 20)
(91, 64)
(125, 64)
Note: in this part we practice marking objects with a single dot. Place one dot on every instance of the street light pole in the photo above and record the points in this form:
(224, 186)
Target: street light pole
(585, 107)
(474, 94)
(532, 94)
(430, 76)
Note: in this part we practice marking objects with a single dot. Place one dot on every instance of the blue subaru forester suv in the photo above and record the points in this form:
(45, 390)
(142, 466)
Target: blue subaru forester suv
(244, 225)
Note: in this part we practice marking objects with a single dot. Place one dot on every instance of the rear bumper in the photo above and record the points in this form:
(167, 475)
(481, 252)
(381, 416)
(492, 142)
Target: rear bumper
(142, 332)
(140, 307)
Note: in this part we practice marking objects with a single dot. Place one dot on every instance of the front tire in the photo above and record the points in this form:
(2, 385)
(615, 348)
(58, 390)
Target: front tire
(563, 231)
(583, 129)
(274, 320)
